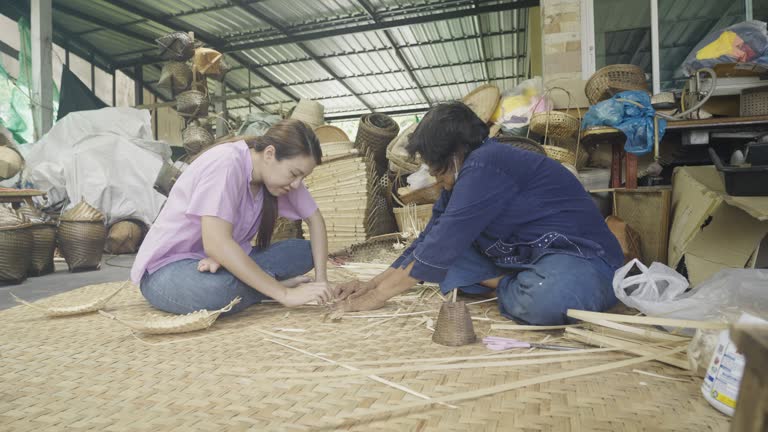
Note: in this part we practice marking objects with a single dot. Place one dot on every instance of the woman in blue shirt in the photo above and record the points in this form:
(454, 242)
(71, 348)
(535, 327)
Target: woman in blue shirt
(508, 220)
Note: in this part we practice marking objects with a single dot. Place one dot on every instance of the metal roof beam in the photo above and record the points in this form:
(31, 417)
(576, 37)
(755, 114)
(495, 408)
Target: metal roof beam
(205, 37)
(81, 15)
(481, 43)
(422, 19)
(273, 23)
(408, 69)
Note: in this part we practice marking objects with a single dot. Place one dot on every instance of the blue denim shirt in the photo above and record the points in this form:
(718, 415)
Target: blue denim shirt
(515, 206)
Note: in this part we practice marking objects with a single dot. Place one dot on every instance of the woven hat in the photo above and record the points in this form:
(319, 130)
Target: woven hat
(310, 112)
(328, 133)
(175, 75)
(483, 101)
(11, 163)
(15, 246)
(454, 325)
(81, 237)
(125, 237)
(399, 159)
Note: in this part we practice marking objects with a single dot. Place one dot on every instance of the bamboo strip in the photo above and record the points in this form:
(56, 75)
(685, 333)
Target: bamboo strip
(425, 368)
(391, 315)
(373, 377)
(658, 376)
(475, 394)
(530, 327)
(279, 336)
(592, 338)
(645, 333)
(482, 301)
(670, 322)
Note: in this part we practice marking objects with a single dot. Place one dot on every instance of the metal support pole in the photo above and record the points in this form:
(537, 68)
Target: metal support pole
(66, 57)
(114, 88)
(42, 68)
(655, 64)
(93, 76)
(221, 110)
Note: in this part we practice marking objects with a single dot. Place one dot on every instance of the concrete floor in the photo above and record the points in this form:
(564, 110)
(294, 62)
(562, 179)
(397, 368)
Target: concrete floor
(113, 268)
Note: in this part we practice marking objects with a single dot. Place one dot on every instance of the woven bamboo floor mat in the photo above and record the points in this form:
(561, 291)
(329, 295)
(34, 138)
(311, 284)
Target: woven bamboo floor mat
(88, 372)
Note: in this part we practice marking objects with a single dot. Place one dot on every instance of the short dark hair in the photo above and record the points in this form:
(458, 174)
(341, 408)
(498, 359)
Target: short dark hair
(446, 129)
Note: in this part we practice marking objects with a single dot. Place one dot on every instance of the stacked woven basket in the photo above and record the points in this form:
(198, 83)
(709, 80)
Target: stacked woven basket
(43, 240)
(15, 246)
(81, 237)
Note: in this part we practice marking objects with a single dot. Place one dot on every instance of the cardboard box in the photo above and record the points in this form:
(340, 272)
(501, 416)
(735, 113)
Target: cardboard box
(710, 229)
(646, 210)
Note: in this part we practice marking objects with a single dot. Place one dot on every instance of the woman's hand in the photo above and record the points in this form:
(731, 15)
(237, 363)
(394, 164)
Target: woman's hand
(353, 288)
(305, 293)
(208, 265)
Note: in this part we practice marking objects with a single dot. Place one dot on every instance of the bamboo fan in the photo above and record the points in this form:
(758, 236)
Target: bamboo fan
(93, 305)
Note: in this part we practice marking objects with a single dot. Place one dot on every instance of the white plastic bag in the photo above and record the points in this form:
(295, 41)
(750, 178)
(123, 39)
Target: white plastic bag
(660, 291)
(420, 179)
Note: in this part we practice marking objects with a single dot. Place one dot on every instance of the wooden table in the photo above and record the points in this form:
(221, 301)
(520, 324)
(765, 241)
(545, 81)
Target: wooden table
(18, 196)
(617, 139)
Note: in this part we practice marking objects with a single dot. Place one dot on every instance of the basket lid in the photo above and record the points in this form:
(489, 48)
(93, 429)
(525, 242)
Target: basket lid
(483, 101)
(329, 134)
(9, 218)
(82, 212)
(31, 214)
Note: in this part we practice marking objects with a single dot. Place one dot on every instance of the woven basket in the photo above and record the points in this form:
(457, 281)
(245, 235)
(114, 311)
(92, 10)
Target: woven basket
(175, 75)
(11, 162)
(399, 159)
(329, 134)
(413, 218)
(566, 156)
(15, 253)
(556, 124)
(310, 112)
(523, 143)
(81, 237)
(208, 62)
(375, 131)
(125, 237)
(166, 178)
(614, 79)
(483, 101)
(195, 137)
(43, 246)
(427, 195)
(454, 325)
(192, 103)
(177, 46)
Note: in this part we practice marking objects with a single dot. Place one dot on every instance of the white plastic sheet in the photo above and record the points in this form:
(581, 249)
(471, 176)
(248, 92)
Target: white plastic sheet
(106, 156)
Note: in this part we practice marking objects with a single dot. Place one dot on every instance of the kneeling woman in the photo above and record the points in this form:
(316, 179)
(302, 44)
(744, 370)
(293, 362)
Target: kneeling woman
(508, 219)
(221, 201)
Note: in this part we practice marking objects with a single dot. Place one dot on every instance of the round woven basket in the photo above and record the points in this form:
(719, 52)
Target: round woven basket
(166, 178)
(175, 75)
(614, 79)
(195, 137)
(329, 134)
(11, 162)
(413, 218)
(567, 156)
(310, 112)
(454, 325)
(15, 253)
(81, 237)
(125, 237)
(556, 124)
(399, 159)
(522, 143)
(192, 103)
(483, 101)
(43, 246)
(176, 46)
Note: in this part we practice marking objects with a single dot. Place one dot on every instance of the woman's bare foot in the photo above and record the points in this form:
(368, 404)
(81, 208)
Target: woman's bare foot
(295, 281)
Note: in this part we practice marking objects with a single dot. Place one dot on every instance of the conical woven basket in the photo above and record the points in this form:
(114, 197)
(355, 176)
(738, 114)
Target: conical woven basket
(15, 246)
(192, 103)
(483, 101)
(81, 236)
(125, 237)
(195, 137)
(329, 134)
(175, 75)
(177, 46)
(454, 325)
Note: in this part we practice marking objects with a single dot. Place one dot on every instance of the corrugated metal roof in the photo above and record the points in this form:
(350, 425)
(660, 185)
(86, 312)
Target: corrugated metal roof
(354, 66)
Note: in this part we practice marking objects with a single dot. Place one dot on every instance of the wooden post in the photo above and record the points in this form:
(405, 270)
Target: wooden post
(221, 109)
(42, 69)
(138, 85)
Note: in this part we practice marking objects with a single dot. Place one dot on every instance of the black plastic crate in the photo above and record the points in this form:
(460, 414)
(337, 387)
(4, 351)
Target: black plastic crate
(752, 181)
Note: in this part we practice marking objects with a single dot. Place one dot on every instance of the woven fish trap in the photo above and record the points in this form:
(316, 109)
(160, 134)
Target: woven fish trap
(175, 75)
(43, 245)
(192, 103)
(454, 325)
(399, 158)
(15, 253)
(159, 324)
(196, 137)
(613, 79)
(177, 46)
(375, 131)
(125, 236)
(166, 178)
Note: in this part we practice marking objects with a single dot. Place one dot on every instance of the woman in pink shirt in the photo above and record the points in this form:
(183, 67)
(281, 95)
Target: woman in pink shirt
(198, 253)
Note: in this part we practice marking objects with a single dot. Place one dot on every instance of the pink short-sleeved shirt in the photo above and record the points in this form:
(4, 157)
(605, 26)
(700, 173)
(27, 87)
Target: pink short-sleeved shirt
(216, 184)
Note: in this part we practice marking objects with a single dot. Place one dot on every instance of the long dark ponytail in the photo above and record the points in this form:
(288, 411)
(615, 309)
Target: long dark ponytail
(290, 138)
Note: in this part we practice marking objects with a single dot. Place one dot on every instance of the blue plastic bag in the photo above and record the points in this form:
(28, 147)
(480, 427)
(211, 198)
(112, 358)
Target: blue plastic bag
(630, 112)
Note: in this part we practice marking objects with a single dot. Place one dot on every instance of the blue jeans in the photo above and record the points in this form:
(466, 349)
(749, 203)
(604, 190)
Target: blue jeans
(180, 288)
(539, 293)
